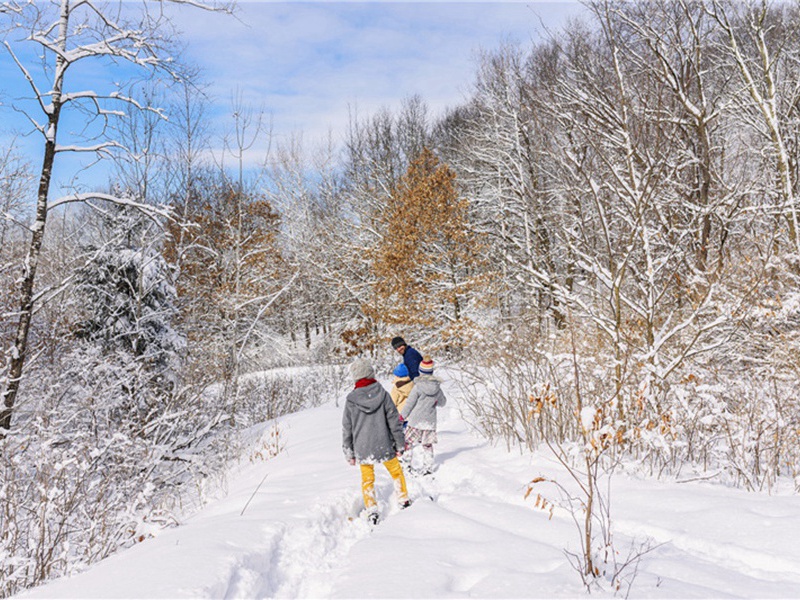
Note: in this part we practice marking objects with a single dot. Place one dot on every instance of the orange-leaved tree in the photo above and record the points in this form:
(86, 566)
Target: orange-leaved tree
(427, 268)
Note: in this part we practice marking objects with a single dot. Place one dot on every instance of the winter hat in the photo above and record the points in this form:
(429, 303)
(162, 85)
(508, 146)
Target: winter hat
(401, 370)
(426, 366)
(361, 368)
(397, 342)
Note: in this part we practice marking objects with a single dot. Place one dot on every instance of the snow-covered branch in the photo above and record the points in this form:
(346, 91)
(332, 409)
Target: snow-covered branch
(263, 309)
(10, 7)
(101, 148)
(154, 212)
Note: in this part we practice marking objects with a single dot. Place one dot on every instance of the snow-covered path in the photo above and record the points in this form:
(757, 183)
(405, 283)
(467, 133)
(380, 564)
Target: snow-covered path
(469, 533)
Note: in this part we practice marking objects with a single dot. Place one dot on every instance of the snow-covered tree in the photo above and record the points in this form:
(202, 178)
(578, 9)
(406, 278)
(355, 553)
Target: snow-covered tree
(127, 299)
(378, 151)
(305, 189)
(498, 150)
(15, 183)
(68, 35)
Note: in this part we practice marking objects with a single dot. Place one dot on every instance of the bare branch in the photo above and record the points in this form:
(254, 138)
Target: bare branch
(45, 109)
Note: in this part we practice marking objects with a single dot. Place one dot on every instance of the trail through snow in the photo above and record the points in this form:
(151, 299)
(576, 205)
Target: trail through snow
(469, 533)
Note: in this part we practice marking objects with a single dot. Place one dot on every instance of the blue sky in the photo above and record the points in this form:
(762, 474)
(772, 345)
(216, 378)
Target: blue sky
(309, 63)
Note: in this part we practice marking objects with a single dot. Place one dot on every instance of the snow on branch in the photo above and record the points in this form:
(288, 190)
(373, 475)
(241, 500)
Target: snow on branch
(102, 148)
(153, 212)
(261, 311)
(10, 7)
(107, 47)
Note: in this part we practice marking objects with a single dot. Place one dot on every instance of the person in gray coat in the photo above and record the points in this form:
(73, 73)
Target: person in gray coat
(373, 433)
(419, 412)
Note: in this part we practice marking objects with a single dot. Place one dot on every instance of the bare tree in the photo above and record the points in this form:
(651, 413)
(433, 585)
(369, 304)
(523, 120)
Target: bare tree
(141, 171)
(70, 33)
(15, 179)
(500, 160)
(674, 43)
(760, 42)
(378, 151)
(15, 183)
(304, 188)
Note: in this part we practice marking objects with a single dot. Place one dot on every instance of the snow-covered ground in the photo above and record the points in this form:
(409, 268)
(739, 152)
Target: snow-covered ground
(287, 527)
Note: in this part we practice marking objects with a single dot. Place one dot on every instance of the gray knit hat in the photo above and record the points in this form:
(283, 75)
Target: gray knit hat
(361, 368)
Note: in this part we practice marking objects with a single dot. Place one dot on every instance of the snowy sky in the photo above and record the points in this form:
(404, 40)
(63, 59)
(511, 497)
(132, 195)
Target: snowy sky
(309, 63)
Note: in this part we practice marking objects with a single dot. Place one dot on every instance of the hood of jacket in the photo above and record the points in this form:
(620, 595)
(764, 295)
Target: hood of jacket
(367, 399)
(427, 385)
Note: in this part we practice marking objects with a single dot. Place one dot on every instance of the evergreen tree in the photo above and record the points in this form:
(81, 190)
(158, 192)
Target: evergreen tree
(127, 304)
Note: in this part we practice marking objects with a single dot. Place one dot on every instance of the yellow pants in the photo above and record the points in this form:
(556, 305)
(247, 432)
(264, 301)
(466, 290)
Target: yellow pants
(368, 482)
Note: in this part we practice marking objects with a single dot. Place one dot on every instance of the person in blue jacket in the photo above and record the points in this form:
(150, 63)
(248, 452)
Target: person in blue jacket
(411, 357)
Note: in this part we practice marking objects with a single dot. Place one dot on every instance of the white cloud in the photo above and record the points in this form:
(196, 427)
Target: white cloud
(308, 61)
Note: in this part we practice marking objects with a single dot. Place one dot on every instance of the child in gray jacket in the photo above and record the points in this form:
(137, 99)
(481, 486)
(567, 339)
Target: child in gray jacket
(372, 433)
(420, 413)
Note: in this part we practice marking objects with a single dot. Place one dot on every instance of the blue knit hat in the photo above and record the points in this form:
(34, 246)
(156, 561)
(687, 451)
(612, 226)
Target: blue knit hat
(401, 370)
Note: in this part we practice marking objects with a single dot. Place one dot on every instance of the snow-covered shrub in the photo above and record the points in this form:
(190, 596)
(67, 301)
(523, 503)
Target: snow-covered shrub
(731, 422)
(94, 472)
(744, 431)
(539, 392)
(522, 388)
(270, 394)
(81, 476)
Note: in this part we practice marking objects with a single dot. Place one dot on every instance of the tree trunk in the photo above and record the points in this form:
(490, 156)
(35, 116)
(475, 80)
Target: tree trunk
(20, 348)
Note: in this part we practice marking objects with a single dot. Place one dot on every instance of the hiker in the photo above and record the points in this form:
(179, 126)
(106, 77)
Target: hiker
(411, 357)
(420, 413)
(372, 433)
(401, 387)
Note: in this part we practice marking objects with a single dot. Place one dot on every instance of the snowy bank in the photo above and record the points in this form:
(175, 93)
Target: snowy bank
(288, 527)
